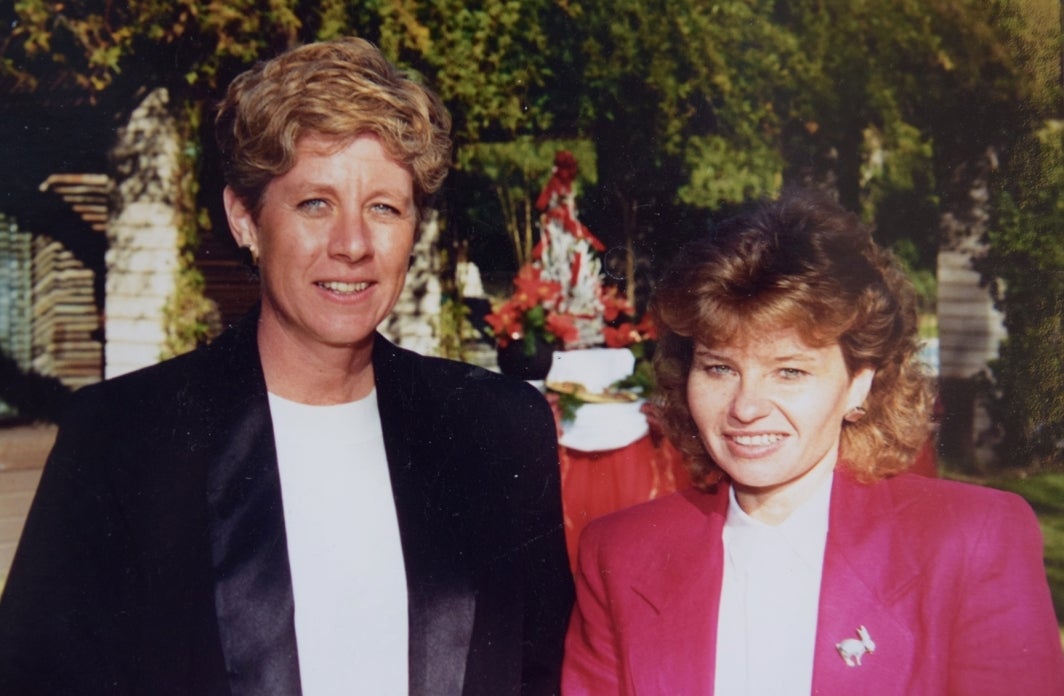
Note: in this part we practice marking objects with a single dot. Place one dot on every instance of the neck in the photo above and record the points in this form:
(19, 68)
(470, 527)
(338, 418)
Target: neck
(319, 375)
(774, 504)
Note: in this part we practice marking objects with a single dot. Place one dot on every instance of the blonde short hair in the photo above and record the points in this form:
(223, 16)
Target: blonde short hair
(338, 89)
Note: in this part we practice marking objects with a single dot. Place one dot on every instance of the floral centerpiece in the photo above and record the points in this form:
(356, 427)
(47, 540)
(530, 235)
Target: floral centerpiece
(531, 316)
(559, 300)
(620, 329)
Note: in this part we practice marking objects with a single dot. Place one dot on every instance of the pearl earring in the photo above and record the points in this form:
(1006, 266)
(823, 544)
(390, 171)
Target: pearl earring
(854, 414)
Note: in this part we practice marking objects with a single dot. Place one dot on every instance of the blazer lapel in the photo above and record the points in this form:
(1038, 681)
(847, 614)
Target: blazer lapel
(679, 599)
(249, 552)
(442, 603)
(867, 575)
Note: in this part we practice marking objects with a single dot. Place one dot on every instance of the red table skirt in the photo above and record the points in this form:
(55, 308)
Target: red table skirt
(598, 483)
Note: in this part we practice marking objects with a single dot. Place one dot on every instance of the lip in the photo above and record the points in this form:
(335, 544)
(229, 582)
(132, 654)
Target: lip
(343, 288)
(754, 444)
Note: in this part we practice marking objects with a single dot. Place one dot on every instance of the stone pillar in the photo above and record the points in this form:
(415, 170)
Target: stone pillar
(15, 298)
(414, 322)
(142, 235)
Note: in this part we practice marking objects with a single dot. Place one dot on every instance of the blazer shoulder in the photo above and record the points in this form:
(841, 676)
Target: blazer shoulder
(449, 380)
(137, 389)
(187, 383)
(939, 518)
(946, 503)
(662, 522)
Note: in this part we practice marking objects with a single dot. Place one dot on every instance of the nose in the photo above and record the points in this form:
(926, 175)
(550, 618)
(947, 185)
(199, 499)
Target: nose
(349, 237)
(750, 401)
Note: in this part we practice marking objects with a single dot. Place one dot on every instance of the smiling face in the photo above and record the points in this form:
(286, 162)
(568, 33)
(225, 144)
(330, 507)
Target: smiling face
(333, 236)
(769, 410)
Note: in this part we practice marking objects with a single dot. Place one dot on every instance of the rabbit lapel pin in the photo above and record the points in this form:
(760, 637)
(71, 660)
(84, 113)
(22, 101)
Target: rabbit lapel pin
(852, 649)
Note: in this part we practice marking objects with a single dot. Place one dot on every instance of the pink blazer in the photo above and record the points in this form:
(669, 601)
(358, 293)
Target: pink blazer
(948, 578)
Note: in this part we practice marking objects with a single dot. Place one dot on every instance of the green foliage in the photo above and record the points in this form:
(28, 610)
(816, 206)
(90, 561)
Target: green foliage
(189, 316)
(897, 158)
(568, 405)
(453, 328)
(723, 171)
(88, 44)
(487, 59)
(684, 92)
(898, 195)
(897, 189)
(641, 381)
(923, 279)
(516, 171)
(670, 107)
(1025, 268)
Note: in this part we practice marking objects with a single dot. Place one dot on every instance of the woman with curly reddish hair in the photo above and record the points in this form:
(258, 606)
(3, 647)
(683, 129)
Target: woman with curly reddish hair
(805, 560)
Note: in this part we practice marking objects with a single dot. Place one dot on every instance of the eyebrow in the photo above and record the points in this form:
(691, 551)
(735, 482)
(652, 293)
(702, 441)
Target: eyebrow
(708, 353)
(797, 357)
(701, 352)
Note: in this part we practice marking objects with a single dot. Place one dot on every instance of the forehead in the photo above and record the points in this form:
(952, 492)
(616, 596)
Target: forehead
(769, 343)
(319, 145)
(746, 335)
(321, 159)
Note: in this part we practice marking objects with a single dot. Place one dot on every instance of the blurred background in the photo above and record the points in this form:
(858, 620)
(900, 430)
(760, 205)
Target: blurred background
(938, 121)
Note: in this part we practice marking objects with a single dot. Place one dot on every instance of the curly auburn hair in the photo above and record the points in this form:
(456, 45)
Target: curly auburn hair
(338, 89)
(801, 262)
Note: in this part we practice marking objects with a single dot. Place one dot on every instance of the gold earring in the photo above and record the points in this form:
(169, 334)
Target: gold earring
(854, 414)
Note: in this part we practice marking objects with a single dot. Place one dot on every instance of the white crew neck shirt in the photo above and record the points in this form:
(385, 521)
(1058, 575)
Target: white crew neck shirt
(348, 577)
(769, 600)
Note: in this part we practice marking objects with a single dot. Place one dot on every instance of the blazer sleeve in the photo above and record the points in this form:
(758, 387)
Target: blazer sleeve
(592, 665)
(56, 608)
(548, 585)
(1005, 638)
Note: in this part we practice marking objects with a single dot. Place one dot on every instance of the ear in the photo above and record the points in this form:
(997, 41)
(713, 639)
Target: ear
(860, 385)
(241, 222)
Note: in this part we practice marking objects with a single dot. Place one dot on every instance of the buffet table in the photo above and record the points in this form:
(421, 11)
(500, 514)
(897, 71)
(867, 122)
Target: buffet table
(611, 456)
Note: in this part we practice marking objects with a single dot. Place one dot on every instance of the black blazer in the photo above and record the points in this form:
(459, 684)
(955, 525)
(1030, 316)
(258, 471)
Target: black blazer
(158, 521)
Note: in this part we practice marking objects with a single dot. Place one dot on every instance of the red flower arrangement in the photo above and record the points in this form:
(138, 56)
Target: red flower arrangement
(621, 330)
(531, 315)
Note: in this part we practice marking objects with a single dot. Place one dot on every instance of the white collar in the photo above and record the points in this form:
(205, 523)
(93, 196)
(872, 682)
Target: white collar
(804, 532)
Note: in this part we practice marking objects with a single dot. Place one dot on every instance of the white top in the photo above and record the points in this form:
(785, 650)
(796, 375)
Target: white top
(348, 577)
(769, 601)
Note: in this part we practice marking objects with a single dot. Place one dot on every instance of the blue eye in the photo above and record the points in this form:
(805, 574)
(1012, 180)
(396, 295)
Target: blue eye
(386, 209)
(313, 205)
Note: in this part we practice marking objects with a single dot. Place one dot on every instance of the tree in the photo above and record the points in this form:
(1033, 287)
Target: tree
(486, 61)
(516, 171)
(680, 101)
(92, 46)
(111, 54)
(1024, 266)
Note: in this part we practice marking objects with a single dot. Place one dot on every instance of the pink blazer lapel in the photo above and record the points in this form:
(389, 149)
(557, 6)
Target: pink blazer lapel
(679, 605)
(868, 575)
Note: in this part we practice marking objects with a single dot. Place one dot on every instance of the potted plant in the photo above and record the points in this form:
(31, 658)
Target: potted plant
(528, 327)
